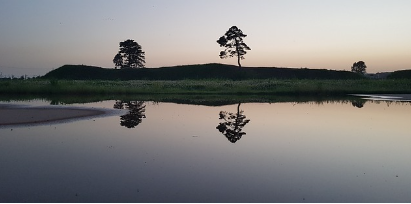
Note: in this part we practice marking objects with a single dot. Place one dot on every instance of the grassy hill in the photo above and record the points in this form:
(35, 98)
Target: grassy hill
(401, 74)
(204, 71)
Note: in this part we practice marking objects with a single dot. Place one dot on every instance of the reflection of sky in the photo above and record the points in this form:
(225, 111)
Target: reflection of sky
(331, 116)
(291, 153)
(38, 36)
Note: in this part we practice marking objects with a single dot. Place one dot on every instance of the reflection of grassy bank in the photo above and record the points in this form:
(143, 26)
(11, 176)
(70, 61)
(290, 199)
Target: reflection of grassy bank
(209, 100)
(230, 87)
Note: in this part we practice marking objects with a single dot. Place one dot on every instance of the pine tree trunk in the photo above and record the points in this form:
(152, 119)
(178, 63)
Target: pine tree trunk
(238, 54)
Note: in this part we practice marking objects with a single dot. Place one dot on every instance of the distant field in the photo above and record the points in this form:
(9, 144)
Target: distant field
(223, 87)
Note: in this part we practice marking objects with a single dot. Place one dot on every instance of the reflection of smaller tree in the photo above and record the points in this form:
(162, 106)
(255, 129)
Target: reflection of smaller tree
(233, 124)
(134, 116)
(358, 103)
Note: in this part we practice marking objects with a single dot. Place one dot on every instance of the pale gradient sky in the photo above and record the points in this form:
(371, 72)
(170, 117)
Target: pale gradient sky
(37, 36)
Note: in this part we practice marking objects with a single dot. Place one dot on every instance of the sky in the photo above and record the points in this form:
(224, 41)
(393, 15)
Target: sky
(39, 36)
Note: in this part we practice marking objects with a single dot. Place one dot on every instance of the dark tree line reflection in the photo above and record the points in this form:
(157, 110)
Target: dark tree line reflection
(358, 103)
(135, 115)
(232, 124)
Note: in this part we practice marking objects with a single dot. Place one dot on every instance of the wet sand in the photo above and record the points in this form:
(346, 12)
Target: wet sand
(10, 115)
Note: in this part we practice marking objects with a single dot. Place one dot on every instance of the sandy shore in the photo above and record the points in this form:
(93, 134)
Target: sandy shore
(11, 115)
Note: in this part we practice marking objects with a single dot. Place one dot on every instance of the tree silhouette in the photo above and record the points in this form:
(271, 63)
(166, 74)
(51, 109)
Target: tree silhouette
(130, 55)
(232, 40)
(118, 61)
(233, 124)
(135, 115)
(359, 67)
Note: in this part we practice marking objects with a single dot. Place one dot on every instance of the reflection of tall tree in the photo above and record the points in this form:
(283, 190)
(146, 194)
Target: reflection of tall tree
(134, 116)
(233, 124)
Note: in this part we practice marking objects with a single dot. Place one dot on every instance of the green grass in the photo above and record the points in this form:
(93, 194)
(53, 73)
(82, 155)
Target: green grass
(216, 87)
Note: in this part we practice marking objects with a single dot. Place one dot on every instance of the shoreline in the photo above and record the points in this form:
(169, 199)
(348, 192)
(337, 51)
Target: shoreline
(21, 115)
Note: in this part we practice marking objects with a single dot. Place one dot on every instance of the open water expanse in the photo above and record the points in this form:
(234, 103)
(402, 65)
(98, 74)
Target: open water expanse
(331, 151)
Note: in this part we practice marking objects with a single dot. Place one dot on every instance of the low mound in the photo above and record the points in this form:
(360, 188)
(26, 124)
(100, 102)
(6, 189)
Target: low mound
(81, 72)
(401, 74)
(205, 71)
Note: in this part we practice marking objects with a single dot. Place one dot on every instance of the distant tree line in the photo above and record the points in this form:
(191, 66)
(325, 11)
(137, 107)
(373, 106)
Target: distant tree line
(22, 77)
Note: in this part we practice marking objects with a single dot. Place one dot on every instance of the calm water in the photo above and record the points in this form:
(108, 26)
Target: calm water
(248, 152)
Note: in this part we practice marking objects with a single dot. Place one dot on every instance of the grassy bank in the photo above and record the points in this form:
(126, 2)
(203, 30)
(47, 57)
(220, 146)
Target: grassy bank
(222, 87)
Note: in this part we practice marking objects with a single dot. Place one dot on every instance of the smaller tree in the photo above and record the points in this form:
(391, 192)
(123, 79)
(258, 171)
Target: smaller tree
(130, 55)
(118, 61)
(359, 67)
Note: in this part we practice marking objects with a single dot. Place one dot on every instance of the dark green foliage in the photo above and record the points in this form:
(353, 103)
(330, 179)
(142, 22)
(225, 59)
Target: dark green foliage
(205, 71)
(401, 74)
(209, 87)
(118, 61)
(4, 83)
(54, 82)
(233, 43)
(359, 67)
(130, 55)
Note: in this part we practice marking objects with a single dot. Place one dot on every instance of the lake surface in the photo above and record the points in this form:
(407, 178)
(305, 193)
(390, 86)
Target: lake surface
(332, 151)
